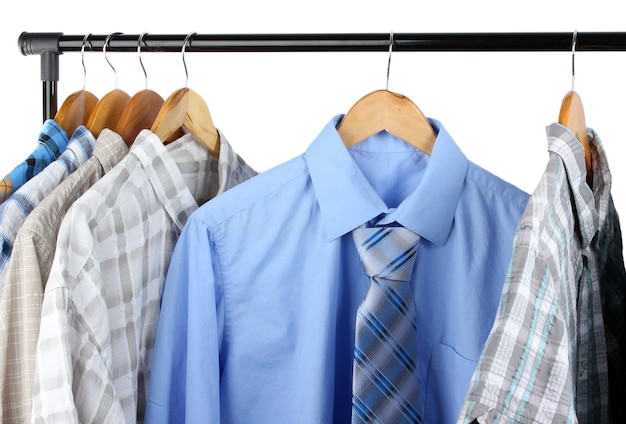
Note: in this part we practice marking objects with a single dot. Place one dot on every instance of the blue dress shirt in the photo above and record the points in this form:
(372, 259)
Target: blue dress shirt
(258, 312)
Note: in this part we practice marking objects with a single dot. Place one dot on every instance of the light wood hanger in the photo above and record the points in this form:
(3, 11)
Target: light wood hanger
(384, 110)
(109, 108)
(572, 115)
(141, 110)
(75, 111)
(186, 109)
(77, 107)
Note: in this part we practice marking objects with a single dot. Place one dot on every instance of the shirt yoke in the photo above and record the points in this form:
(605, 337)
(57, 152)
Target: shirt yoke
(245, 195)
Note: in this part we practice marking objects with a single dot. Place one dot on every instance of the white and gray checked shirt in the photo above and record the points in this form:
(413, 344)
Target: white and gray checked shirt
(15, 209)
(102, 300)
(546, 360)
(27, 273)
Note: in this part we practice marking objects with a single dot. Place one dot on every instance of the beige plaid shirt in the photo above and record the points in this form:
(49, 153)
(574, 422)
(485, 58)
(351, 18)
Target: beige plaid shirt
(27, 273)
(102, 300)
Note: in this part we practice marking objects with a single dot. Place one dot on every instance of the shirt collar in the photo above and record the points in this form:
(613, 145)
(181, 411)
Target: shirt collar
(78, 150)
(161, 165)
(347, 200)
(601, 176)
(232, 169)
(53, 138)
(562, 142)
(110, 148)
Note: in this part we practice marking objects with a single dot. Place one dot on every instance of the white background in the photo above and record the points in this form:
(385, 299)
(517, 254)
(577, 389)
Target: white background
(270, 106)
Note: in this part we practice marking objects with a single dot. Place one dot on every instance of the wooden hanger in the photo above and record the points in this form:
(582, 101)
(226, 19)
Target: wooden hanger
(109, 108)
(141, 110)
(107, 111)
(77, 107)
(139, 113)
(75, 110)
(572, 115)
(186, 109)
(384, 110)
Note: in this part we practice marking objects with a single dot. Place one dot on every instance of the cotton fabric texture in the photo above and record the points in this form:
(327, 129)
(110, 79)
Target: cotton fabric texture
(259, 308)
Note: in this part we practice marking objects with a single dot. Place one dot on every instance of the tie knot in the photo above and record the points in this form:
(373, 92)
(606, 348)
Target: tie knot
(387, 252)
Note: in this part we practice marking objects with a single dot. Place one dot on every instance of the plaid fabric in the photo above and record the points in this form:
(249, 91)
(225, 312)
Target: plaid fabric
(612, 276)
(546, 357)
(27, 273)
(385, 385)
(102, 300)
(16, 208)
(51, 143)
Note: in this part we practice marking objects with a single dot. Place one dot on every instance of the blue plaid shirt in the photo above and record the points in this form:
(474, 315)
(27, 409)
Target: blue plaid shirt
(15, 209)
(52, 141)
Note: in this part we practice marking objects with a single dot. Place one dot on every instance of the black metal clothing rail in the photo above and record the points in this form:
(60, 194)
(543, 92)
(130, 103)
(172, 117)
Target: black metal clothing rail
(49, 45)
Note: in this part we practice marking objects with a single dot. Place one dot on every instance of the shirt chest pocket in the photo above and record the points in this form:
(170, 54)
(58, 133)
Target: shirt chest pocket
(449, 375)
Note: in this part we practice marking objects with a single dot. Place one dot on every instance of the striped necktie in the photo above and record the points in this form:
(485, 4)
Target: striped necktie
(385, 386)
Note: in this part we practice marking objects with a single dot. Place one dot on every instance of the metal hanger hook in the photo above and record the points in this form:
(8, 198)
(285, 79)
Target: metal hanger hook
(574, 40)
(104, 49)
(139, 41)
(389, 60)
(82, 58)
(187, 41)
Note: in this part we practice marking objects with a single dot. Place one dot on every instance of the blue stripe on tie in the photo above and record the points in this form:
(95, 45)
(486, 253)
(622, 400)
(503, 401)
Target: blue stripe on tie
(387, 388)
(398, 263)
(397, 300)
(382, 333)
(361, 409)
(375, 238)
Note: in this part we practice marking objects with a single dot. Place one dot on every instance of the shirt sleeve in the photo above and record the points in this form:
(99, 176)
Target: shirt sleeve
(185, 381)
(20, 311)
(524, 373)
(75, 336)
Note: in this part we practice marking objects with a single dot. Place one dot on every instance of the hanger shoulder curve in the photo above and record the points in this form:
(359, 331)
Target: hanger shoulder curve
(392, 112)
(138, 114)
(187, 109)
(171, 116)
(75, 110)
(572, 115)
(107, 111)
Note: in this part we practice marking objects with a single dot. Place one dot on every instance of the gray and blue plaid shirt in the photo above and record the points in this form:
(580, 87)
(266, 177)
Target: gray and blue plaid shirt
(546, 358)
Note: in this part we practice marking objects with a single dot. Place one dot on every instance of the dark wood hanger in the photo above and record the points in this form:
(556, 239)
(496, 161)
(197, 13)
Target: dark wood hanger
(141, 110)
(109, 108)
(384, 110)
(107, 111)
(140, 113)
